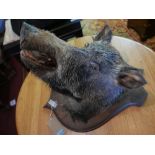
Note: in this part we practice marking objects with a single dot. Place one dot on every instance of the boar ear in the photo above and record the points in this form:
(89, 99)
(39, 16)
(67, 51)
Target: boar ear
(105, 34)
(131, 78)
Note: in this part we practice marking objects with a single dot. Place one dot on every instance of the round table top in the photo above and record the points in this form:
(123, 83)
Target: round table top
(32, 118)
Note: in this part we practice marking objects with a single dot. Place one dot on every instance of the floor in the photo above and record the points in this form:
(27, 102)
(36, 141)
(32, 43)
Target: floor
(10, 91)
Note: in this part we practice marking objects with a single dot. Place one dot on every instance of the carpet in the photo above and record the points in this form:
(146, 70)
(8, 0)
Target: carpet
(10, 92)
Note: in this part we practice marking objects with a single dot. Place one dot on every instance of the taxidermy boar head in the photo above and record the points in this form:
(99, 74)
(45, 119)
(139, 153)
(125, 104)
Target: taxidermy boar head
(95, 76)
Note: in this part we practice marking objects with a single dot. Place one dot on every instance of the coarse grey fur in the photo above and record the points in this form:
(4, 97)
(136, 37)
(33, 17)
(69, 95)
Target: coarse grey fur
(96, 76)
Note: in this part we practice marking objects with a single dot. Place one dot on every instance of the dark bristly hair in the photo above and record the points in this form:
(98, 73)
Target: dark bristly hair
(96, 76)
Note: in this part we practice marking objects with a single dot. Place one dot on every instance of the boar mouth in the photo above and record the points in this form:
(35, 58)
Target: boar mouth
(34, 53)
(37, 59)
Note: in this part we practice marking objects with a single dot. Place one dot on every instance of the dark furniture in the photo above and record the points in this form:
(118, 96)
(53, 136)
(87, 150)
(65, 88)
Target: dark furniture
(63, 28)
(144, 27)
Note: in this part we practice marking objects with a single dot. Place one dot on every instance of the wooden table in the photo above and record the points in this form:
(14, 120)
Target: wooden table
(32, 118)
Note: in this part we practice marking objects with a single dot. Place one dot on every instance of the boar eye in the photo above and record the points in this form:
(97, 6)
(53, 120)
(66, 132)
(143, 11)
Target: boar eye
(94, 66)
(86, 70)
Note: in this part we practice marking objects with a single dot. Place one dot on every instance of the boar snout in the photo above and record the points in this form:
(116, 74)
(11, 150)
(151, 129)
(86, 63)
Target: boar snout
(26, 32)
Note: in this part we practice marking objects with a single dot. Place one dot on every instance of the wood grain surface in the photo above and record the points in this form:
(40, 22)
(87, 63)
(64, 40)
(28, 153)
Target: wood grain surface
(32, 118)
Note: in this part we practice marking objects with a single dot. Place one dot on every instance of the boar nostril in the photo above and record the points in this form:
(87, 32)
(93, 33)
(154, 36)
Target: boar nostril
(23, 36)
(26, 29)
(22, 43)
